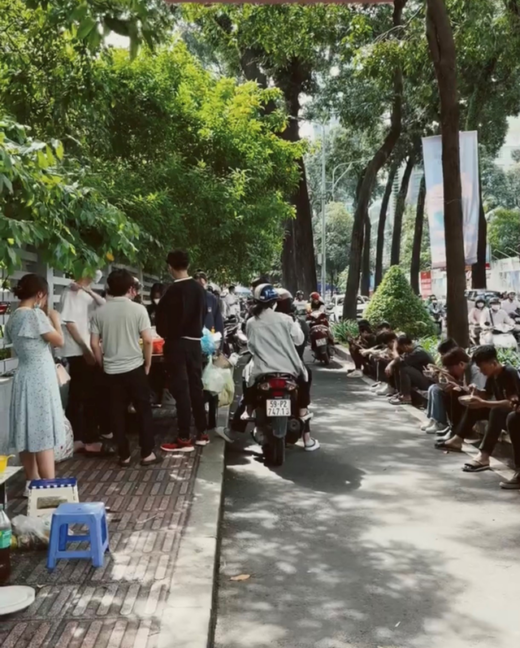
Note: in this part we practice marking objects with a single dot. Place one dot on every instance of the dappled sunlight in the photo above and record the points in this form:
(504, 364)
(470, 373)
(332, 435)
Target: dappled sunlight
(371, 541)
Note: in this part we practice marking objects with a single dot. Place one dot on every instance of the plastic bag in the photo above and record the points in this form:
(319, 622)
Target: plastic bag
(214, 378)
(66, 450)
(207, 342)
(31, 532)
(227, 395)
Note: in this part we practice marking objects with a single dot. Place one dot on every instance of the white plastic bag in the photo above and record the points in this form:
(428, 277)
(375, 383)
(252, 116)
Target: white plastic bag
(66, 450)
(214, 378)
(32, 532)
(227, 395)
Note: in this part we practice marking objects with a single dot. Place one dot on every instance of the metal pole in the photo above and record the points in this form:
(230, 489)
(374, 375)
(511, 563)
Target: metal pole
(323, 220)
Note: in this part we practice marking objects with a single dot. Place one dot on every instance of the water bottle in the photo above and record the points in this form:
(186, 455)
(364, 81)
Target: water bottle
(6, 532)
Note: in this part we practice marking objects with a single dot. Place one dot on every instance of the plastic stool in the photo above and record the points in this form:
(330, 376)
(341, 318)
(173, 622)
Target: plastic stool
(91, 514)
(45, 495)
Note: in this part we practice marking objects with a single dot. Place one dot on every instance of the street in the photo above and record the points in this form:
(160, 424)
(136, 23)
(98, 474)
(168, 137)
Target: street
(375, 541)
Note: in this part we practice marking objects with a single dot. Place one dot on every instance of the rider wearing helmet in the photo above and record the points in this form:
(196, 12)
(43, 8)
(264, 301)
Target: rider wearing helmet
(300, 305)
(287, 306)
(495, 316)
(272, 341)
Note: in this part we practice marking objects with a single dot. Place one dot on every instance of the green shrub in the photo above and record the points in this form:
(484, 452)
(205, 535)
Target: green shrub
(509, 356)
(395, 302)
(430, 345)
(345, 329)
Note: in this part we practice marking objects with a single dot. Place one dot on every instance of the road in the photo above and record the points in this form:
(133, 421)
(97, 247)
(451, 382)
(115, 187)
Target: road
(375, 541)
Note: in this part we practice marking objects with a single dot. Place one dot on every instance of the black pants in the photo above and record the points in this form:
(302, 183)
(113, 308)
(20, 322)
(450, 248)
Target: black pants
(126, 388)
(454, 409)
(381, 365)
(497, 421)
(212, 402)
(513, 427)
(409, 377)
(184, 361)
(86, 409)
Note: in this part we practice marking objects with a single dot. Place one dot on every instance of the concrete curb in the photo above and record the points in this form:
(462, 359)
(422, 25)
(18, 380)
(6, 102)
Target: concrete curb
(188, 616)
(341, 352)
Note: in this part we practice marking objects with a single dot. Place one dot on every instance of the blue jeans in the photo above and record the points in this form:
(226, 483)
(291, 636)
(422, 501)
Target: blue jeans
(436, 409)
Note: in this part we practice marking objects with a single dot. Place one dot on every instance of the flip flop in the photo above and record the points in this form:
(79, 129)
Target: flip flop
(441, 445)
(158, 459)
(475, 466)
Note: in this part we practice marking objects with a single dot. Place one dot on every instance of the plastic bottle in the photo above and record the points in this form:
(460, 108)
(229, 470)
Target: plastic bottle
(5, 547)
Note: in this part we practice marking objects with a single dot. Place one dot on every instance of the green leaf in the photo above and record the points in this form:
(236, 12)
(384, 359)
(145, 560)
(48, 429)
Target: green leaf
(85, 27)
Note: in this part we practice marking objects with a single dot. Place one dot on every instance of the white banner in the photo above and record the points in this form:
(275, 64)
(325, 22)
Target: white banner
(432, 154)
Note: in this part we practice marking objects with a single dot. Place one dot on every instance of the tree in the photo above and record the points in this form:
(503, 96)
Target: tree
(369, 178)
(381, 227)
(395, 302)
(399, 210)
(442, 49)
(339, 229)
(286, 46)
(504, 233)
(420, 245)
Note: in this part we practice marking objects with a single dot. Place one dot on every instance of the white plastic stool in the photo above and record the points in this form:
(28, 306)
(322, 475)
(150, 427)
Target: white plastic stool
(45, 495)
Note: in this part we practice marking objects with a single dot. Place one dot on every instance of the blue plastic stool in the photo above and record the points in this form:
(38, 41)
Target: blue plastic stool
(91, 514)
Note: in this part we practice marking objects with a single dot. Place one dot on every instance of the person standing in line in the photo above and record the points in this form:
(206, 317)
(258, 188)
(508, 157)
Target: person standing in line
(214, 323)
(232, 303)
(180, 319)
(118, 326)
(155, 297)
(37, 422)
(78, 303)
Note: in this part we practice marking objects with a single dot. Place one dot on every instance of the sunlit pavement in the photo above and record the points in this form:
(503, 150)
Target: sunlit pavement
(375, 540)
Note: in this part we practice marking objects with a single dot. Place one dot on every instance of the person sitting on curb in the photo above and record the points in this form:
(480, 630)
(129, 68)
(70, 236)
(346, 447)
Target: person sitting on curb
(379, 357)
(365, 340)
(500, 397)
(407, 369)
(436, 407)
(461, 373)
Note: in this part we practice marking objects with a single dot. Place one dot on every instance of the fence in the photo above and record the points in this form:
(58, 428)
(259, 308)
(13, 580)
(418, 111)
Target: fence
(31, 262)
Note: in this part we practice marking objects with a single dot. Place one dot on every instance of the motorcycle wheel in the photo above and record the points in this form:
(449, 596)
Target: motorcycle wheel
(277, 451)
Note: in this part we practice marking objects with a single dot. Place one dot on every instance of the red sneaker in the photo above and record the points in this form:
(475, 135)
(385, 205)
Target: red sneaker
(180, 445)
(202, 440)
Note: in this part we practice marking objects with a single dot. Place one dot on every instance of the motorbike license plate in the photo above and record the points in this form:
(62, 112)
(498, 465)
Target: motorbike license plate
(278, 407)
(321, 342)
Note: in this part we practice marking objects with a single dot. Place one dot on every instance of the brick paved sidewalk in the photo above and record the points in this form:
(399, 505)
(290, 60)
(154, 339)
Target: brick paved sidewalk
(120, 605)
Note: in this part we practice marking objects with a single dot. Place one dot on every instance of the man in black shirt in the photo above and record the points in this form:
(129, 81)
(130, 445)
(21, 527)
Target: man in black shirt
(496, 403)
(180, 319)
(407, 369)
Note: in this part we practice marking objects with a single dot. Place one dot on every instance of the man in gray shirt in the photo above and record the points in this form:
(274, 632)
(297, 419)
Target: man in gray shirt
(116, 329)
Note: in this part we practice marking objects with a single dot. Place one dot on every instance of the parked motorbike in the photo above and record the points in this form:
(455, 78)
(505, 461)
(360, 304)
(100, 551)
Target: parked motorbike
(235, 340)
(321, 344)
(275, 425)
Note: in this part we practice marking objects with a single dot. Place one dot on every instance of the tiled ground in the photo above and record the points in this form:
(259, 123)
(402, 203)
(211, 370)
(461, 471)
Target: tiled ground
(121, 604)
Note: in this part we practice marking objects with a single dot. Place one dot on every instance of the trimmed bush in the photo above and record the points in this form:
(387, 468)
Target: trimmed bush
(395, 302)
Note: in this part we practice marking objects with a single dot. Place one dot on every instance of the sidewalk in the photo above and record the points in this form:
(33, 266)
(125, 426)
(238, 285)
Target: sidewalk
(163, 525)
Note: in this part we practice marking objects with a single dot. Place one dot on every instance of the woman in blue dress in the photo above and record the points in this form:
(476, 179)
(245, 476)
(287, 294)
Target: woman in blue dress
(37, 422)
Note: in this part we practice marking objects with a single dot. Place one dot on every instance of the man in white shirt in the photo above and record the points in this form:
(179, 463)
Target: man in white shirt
(511, 304)
(118, 326)
(232, 303)
(78, 302)
(495, 316)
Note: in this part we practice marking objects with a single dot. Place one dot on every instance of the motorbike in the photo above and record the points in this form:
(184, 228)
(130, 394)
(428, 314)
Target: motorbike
(501, 336)
(235, 340)
(275, 425)
(322, 344)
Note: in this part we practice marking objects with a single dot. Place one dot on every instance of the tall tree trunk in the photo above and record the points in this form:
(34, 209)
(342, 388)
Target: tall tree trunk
(379, 159)
(298, 260)
(443, 54)
(415, 265)
(478, 269)
(381, 226)
(365, 274)
(399, 210)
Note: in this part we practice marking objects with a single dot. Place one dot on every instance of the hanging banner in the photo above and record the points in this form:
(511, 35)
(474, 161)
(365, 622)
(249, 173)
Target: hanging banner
(432, 154)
